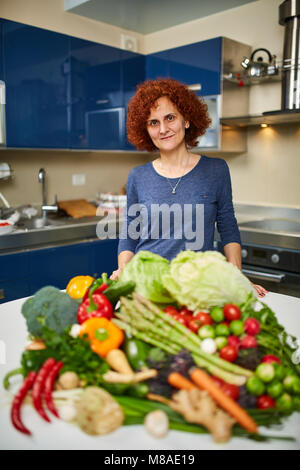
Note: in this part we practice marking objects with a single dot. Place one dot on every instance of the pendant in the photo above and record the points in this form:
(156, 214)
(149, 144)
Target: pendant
(174, 191)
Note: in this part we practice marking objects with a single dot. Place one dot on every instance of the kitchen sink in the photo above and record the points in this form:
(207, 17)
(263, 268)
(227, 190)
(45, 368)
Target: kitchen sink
(54, 231)
(35, 223)
(274, 225)
(53, 221)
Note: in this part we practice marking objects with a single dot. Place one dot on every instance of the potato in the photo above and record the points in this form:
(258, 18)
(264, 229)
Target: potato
(98, 412)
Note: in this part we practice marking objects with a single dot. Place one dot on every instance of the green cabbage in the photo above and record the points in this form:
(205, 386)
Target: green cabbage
(146, 270)
(201, 280)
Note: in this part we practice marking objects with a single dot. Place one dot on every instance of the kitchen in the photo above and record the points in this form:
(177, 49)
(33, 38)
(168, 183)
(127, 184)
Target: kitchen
(38, 175)
(264, 167)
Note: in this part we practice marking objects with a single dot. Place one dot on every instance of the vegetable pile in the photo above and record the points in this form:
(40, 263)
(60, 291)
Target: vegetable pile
(182, 345)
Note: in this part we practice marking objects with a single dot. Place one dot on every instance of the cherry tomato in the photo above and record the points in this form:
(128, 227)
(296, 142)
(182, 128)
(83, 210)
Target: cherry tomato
(180, 319)
(231, 312)
(185, 311)
(248, 342)
(171, 310)
(187, 318)
(234, 341)
(264, 402)
(232, 391)
(204, 318)
(194, 325)
(269, 358)
(229, 353)
(252, 326)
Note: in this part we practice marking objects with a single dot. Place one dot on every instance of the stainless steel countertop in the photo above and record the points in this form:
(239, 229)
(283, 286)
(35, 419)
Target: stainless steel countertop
(269, 225)
(259, 225)
(60, 232)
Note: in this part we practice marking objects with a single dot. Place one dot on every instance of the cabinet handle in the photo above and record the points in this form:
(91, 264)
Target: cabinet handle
(264, 276)
(195, 87)
(102, 101)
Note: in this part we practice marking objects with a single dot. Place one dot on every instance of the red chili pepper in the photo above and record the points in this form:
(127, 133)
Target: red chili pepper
(39, 385)
(99, 289)
(100, 307)
(15, 413)
(48, 387)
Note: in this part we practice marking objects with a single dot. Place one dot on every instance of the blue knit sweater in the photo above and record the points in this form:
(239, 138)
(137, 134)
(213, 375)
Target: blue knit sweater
(166, 223)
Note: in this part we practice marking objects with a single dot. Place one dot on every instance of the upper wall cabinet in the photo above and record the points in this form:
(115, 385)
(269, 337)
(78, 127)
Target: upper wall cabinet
(69, 93)
(1, 51)
(133, 73)
(97, 112)
(198, 63)
(37, 110)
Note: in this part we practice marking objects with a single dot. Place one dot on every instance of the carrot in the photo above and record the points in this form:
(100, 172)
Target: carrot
(179, 381)
(203, 381)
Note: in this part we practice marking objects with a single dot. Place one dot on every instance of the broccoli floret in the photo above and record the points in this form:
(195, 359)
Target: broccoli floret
(51, 308)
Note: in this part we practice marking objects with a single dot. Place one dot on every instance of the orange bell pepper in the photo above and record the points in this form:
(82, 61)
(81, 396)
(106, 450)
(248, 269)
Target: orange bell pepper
(103, 335)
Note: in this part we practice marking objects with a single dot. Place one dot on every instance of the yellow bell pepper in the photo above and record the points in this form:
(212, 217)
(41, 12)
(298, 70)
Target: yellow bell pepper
(78, 286)
(103, 335)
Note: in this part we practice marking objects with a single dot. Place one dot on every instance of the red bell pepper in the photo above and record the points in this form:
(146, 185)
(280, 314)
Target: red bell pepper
(95, 305)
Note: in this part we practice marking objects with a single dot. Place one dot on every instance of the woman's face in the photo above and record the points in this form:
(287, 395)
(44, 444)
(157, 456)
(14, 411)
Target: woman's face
(166, 126)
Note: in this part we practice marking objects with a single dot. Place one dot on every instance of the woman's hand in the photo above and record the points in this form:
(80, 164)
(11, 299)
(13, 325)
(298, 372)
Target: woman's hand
(261, 291)
(116, 274)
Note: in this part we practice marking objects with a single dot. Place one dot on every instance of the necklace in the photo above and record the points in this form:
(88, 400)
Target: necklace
(173, 187)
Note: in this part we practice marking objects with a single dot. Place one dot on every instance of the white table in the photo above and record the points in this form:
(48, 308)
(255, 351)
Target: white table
(60, 435)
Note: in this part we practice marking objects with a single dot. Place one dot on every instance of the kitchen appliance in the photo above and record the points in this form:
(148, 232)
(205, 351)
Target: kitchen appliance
(257, 67)
(276, 269)
(289, 17)
(2, 115)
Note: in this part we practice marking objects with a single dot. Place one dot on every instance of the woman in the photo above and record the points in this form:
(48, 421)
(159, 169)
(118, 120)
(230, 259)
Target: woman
(174, 202)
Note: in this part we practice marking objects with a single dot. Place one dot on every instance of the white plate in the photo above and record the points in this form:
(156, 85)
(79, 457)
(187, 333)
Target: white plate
(60, 435)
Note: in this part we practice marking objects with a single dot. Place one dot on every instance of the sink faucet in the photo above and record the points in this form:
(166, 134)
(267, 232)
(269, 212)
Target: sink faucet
(46, 208)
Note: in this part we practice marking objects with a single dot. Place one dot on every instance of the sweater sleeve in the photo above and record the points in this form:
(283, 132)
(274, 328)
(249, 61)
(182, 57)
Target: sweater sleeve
(226, 222)
(125, 242)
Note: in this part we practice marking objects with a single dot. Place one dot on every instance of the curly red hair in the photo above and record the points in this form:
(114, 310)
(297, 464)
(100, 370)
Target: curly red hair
(187, 102)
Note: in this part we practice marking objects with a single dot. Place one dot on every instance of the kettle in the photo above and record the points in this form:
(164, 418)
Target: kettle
(259, 68)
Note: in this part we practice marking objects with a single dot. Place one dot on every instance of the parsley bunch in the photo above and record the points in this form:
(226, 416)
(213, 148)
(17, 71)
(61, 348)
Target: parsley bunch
(74, 353)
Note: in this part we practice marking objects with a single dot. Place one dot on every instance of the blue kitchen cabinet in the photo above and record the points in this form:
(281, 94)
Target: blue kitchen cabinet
(56, 266)
(133, 73)
(104, 256)
(97, 112)
(1, 51)
(198, 63)
(22, 274)
(36, 86)
(14, 276)
(157, 65)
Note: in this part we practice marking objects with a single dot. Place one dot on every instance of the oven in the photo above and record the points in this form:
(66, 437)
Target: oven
(276, 269)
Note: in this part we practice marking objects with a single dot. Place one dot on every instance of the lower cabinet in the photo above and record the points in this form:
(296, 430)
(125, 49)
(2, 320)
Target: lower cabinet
(22, 274)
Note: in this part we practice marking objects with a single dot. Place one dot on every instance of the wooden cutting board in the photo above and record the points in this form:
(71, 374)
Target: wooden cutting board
(78, 208)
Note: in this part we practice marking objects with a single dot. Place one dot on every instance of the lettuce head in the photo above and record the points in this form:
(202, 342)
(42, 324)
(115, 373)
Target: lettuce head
(201, 280)
(146, 270)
